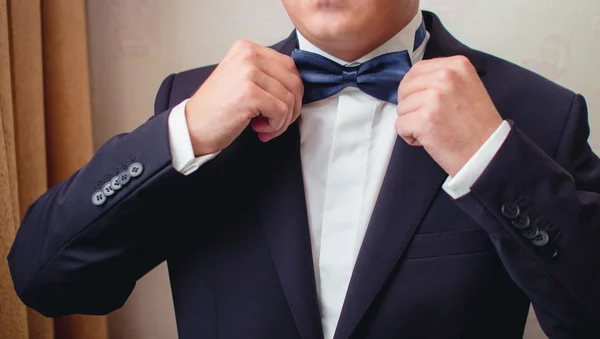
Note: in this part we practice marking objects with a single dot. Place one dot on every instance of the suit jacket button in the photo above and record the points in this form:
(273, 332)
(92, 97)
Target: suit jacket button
(124, 178)
(521, 222)
(115, 184)
(107, 190)
(510, 210)
(98, 198)
(135, 169)
(541, 239)
(530, 232)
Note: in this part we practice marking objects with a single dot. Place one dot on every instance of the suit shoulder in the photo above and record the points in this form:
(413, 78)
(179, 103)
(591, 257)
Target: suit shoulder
(521, 82)
(538, 106)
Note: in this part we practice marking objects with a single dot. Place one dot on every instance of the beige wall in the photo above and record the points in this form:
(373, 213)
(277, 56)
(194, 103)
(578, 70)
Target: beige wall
(136, 43)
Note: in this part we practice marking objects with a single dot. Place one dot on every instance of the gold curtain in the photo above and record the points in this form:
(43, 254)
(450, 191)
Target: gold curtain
(45, 135)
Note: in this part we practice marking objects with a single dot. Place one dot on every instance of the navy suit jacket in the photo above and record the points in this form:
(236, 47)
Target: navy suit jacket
(429, 266)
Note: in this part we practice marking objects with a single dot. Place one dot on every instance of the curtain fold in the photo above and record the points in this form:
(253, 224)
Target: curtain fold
(13, 315)
(45, 135)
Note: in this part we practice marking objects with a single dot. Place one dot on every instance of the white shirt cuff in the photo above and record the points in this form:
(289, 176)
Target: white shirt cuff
(461, 183)
(182, 152)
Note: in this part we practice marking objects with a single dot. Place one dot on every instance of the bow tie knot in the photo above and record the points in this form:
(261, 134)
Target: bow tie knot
(350, 76)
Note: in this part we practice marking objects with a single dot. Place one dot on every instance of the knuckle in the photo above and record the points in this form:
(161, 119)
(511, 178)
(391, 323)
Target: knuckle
(435, 95)
(249, 54)
(246, 51)
(297, 82)
(249, 90)
(446, 75)
(242, 44)
(290, 99)
(429, 117)
(251, 72)
(289, 63)
(282, 108)
(398, 126)
(462, 61)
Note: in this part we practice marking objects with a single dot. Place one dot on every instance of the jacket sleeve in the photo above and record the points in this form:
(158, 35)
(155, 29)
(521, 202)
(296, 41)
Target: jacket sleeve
(74, 255)
(542, 213)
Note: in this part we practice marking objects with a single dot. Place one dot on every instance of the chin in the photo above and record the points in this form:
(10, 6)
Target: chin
(332, 27)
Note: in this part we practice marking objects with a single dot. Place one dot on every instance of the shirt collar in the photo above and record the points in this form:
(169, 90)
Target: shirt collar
(403, 40)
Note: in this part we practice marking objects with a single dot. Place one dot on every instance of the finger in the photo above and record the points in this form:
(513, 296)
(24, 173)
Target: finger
(269, 82)
(283, 60)
(268, 105)
(261, 124)
(412, 103)
(266, 131)
(291, 80)
(458, 63)
(441, 80)
(266, 137)
(407, 127)
(274, 87)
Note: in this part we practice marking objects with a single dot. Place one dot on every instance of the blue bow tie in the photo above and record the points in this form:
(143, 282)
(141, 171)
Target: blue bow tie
(378, 77)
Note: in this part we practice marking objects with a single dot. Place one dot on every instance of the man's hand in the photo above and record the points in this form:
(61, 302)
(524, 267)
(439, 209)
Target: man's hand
(252, 84)
(444, 107)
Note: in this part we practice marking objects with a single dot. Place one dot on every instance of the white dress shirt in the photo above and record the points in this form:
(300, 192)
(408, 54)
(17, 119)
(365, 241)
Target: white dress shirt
(346, 144)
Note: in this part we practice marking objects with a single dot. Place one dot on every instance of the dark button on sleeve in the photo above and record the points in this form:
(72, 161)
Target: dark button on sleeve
(530, 232)
(521, 222)
(541, 239)
(511, 210)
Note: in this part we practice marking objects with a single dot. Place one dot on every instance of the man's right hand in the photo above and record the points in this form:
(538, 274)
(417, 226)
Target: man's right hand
(253, 84)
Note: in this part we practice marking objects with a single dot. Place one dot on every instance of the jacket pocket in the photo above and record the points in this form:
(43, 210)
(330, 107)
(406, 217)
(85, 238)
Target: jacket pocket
(449, 243)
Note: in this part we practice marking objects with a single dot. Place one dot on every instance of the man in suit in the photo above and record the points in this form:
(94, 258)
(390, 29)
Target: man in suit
(428, 190)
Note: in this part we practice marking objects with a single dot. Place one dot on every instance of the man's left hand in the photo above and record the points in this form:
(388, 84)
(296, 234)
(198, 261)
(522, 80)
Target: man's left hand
(444, 107)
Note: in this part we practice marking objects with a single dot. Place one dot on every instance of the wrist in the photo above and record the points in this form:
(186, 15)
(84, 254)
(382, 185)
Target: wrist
(199, 146)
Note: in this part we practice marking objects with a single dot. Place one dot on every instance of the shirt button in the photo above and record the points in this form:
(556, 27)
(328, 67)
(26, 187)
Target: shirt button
(107, 190)
(521, 222)
(135, 169)
(115, 184)
(124, 178)
(541, 239)
(98, 198)
(530, 232)
(510, 210)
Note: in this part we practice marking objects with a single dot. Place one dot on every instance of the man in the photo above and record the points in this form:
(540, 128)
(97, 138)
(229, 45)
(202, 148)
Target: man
(428, 190)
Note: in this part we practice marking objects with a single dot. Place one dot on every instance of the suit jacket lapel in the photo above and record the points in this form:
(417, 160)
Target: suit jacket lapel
(285, 223)
(411, 182)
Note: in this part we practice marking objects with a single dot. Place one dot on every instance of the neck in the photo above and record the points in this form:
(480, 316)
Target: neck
(353, 47)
